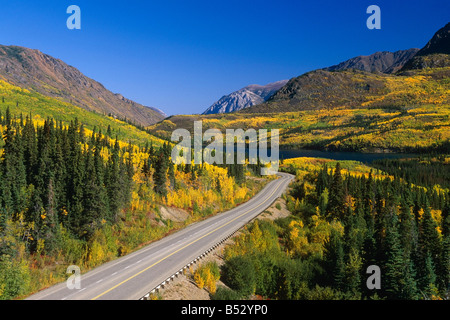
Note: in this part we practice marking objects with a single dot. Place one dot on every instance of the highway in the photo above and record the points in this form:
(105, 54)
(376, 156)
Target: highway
(134, 275)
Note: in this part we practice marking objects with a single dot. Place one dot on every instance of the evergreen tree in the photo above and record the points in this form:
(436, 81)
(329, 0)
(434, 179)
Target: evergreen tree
(13, 169)
(45, 174)
(336, 201)
(429, 240)
(94, 196)
(427, 278)
(322, 180)
(75, 185)
(113, 182)
(407, 230)
(334, 261)
(353, 273)
(30, 149)
(443, 270)
(398, 275)
(160, 175)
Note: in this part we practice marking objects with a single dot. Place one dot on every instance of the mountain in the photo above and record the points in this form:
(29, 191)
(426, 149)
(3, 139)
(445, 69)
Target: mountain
(34, 70)
(22, 102)
(439, 43)
(352, 83)
(246, 97)
(435, 54)
(351, 109)
(385, 61)
(322, 89)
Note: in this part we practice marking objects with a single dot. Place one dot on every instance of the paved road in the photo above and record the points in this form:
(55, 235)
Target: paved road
(132, 276)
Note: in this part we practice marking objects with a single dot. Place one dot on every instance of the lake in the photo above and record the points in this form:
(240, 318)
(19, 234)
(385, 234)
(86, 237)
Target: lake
(340, 155)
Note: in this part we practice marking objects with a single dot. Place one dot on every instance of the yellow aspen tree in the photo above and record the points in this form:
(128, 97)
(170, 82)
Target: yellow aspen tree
(199, 281)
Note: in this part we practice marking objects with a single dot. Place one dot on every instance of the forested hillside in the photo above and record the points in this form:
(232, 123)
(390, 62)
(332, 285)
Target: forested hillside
(320, 89)
(72, 195)
(22, 102)
(347, 108)
(403, 113)
(345, 217)
(413, 129)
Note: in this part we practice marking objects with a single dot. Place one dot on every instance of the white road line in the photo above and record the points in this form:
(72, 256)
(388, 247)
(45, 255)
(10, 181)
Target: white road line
(78, 291)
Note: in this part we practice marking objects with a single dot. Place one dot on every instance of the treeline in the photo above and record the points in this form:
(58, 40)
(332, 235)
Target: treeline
(427, 170)
(53, 174)
(164, 169)
(71, 195)
(342, 224)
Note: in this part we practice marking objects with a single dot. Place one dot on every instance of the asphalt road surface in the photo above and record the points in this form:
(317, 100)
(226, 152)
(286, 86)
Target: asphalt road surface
(134, 275)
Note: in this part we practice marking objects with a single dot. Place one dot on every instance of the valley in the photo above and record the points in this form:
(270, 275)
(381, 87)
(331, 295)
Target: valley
(88, 179)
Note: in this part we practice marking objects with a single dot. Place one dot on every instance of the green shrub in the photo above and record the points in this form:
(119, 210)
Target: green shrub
(14, 278)
(224, 293)
(239, 274)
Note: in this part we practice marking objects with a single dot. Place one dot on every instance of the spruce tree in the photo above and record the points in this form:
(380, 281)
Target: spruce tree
(336, 201)
(160, 175)
(429, 240)
(408, 236)
(428, 251)
(113, 183)
(95, 207)
(334, 260)
(443, 270)
(397, 281)
(75, 186)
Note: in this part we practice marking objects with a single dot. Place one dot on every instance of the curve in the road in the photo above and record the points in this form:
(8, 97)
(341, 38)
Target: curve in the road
(134, 275)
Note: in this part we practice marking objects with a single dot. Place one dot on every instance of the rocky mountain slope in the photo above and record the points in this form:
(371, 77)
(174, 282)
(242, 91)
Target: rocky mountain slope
(382, 62)
(245, 97)
(34, 70)
(345, 86)
(385, 61)
(349, 110)
(435, 54)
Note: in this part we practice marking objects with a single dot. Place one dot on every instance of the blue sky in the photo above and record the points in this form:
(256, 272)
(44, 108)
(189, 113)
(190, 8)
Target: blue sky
(181, 56)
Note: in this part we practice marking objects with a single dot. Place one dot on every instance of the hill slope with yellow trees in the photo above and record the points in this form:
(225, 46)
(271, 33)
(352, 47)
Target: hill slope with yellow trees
(353, 110)
(346, 218)
(22, 102)
(408, 112)
(81, 188)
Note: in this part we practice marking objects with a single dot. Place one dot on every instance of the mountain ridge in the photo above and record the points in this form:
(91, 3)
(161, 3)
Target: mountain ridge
(348, 110)
(40, 72)
(344, 86)
(435, 54)
(381, 61)
(245, 97)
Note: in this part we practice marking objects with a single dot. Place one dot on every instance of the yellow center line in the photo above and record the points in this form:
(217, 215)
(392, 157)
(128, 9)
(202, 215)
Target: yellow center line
(187, 245)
